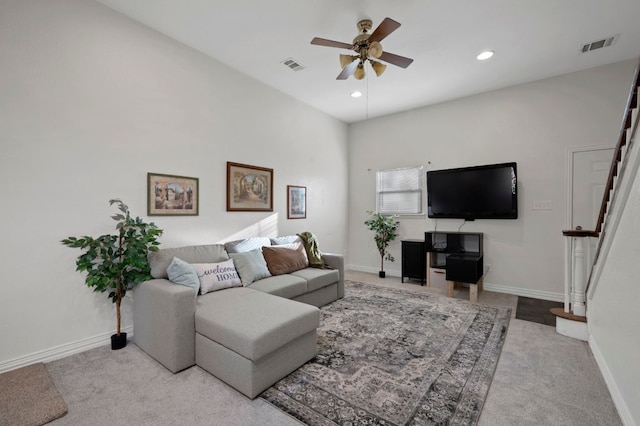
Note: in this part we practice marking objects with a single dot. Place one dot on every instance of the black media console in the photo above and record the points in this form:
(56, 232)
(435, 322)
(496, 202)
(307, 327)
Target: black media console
(460, 254)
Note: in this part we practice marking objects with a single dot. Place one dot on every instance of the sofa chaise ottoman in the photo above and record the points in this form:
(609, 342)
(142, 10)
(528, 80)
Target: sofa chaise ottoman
(250, 339)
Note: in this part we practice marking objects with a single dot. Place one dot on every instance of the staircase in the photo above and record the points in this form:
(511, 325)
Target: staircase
(572, 319)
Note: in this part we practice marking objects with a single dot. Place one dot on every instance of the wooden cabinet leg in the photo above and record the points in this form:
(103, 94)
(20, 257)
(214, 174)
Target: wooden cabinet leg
(428, 269)
(450, 285)
(473, 292)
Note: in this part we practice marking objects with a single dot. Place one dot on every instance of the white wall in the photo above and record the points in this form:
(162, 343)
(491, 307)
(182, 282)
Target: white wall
(91, 101)
(533, 124)
(613, 311)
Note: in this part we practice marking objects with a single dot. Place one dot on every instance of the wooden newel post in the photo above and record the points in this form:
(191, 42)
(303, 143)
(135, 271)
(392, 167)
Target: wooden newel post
(577, 295)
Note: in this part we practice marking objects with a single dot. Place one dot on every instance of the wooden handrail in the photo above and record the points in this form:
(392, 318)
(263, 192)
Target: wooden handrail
(580, 233)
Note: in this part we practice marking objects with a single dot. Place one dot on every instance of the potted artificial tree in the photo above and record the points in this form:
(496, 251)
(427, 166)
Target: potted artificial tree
(116, 263)
(384, 227)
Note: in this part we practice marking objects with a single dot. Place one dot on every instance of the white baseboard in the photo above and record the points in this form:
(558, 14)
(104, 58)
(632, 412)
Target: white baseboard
(524, 292)
(62, 351)
(390, 272)
(518, 291)
(616, 395)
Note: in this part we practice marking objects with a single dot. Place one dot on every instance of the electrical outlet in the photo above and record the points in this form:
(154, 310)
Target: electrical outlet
(541, 205)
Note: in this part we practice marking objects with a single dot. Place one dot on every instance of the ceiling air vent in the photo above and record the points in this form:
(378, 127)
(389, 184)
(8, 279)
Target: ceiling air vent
(293, 64)
(599, 44)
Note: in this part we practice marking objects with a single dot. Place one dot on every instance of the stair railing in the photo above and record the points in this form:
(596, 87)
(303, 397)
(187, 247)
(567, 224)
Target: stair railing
(577, 247)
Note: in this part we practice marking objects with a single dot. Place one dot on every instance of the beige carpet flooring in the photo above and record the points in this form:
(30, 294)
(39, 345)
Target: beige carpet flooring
(28, 397)
(542, 378)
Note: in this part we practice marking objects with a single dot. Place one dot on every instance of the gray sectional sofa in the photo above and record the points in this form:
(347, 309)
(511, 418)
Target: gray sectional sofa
(249, 336)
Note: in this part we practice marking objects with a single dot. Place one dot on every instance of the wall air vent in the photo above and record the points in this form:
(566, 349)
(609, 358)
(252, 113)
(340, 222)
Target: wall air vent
(293, 64)
(599, 44)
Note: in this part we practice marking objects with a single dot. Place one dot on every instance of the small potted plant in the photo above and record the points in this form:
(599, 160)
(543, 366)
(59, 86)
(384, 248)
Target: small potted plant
(116, 263)
(385, 228)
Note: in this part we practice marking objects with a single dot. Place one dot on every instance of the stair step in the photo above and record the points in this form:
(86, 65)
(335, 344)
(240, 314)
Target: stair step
(559, 312)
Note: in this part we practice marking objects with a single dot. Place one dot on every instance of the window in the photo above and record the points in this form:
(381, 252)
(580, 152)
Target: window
(399, 191)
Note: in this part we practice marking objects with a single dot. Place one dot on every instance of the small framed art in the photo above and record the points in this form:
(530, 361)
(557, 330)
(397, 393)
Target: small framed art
(249, 188)
(170, 195)
(296, 202)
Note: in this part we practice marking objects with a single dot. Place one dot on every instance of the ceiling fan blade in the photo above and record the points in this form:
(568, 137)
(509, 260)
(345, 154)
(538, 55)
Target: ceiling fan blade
(348, 70)
(399, 61)
(330, 43)
(385, 28)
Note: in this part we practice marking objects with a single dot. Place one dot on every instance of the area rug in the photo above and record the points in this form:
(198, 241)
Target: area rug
(28, 397)
(396, 357)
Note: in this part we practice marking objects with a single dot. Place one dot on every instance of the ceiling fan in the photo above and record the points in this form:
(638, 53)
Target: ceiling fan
(368, 48)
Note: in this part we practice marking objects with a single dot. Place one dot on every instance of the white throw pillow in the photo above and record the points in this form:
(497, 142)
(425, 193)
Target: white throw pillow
(217, 276)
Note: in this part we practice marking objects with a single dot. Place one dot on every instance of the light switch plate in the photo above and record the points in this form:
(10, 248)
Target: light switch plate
(541, 205)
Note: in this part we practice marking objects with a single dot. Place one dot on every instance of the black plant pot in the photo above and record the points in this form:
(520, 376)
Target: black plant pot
(118, 342)
(382, 274)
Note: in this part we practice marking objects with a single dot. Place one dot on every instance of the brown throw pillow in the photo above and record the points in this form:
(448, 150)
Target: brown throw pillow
(282, 260)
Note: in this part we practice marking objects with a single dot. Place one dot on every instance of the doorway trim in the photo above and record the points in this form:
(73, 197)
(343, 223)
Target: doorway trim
(571, 152)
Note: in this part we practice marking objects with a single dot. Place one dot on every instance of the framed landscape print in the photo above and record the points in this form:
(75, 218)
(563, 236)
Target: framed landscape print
(249, 188)
(296, 202)
(169, 195)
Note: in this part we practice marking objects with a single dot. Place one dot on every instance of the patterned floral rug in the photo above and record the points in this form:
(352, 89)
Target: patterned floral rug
(396, 357)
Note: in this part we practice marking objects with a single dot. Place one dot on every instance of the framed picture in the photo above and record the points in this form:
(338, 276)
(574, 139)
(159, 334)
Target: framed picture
(169, 195)
(296, 202)
(249, 188)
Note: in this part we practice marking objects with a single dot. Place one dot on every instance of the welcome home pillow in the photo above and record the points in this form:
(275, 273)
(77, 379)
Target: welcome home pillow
(180, 272)
(282, 260)
(251, 266)
(216, 276)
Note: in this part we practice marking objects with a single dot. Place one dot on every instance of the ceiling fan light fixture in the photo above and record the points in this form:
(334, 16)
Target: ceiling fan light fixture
(483, 56)
(346, 60)
(367, 48)
(375, 50)
(378, 67)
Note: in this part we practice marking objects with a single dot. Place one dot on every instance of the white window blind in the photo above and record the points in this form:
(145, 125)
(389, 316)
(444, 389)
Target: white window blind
(400, 191)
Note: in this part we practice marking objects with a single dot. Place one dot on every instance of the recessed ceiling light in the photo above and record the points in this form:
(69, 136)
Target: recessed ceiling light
(483, 56)
(356, 94)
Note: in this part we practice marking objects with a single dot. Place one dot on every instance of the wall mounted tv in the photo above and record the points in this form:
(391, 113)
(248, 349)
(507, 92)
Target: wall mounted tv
(479, 192)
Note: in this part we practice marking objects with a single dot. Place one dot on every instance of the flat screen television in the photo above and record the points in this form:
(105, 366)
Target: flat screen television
(479, 192)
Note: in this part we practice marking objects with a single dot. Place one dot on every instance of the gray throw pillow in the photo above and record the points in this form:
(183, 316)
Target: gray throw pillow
(250, 265)
(180, 272)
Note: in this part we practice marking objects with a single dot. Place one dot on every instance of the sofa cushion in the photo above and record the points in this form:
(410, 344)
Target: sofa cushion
(318, 278)
(161, 259)
(217, 276)
(252, 323)
(181, 272)
(248, 244)
(250, 265)
(284, 259)
(287, 285)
